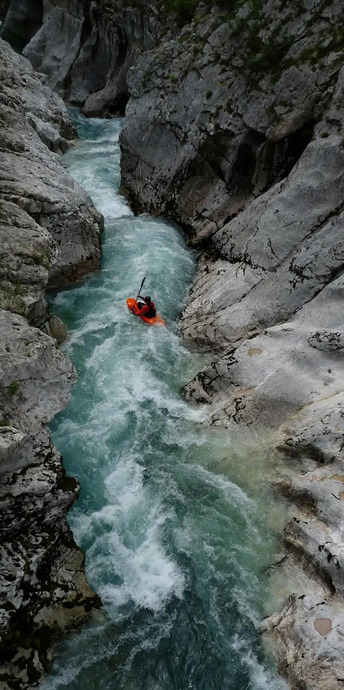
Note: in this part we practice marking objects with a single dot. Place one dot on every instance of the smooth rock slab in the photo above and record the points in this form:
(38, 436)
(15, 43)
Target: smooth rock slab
(281, 250)
(273, 375)
(307, 637)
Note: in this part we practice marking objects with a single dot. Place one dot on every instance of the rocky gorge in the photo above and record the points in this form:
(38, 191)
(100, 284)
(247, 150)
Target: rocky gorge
(235, 130)
(50, 235)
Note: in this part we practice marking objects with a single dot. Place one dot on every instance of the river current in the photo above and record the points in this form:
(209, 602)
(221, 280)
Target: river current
(176, 538)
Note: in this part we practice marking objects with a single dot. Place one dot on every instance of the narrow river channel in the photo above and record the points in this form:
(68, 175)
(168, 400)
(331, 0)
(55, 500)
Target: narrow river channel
(176, 545)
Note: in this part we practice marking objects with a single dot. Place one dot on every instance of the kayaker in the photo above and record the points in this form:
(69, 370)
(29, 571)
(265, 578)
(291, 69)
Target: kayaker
(145, 307)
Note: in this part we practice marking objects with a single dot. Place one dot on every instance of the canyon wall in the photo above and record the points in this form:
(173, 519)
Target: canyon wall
(85, 48)
(50, 236)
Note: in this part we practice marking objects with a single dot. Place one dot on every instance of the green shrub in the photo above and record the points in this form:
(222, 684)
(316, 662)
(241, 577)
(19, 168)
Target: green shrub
(13, 388)
(185, 10)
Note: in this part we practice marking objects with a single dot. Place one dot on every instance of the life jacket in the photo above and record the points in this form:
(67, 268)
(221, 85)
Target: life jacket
(140, 308)
(143, 309)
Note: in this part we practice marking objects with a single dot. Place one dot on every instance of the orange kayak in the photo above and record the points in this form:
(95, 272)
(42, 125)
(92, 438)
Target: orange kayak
(153, 321)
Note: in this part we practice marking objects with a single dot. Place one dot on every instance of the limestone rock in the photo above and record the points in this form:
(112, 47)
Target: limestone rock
(223, 111)
(56, 329)
(307, 636)
(33, 178)
(273, 375)
(35, 377)
(26, 252)
(27, 91)
(282, 249)
(71, 37)
(234, 129)
(43, 590)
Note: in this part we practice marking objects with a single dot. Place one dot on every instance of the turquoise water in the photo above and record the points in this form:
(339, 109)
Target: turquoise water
(175, 547)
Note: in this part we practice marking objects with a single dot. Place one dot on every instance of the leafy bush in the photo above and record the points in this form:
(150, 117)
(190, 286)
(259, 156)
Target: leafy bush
(13, 388)
(184, 10)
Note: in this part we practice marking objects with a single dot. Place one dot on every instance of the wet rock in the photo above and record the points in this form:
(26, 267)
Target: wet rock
(308, 634)
(56, 329)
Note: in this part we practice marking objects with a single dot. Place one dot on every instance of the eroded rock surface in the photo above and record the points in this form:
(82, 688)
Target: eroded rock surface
(32, 177)
(86, 48)
(309, 635)
(49, 235)
(223, 111)
(235, 129)
(43, 589)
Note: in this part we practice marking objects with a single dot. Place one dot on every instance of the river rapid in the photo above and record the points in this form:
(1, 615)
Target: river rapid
(176, 534)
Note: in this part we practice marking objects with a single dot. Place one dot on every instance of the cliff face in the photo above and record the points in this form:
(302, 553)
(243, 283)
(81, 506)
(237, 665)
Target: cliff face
(49, 234)
(86, 48)
(228, 107)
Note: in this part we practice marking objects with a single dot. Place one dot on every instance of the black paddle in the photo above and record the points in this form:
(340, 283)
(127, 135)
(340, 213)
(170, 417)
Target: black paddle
(139, 292)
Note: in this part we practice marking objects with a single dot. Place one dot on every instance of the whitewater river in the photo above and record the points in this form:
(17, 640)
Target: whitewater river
(176, 534)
